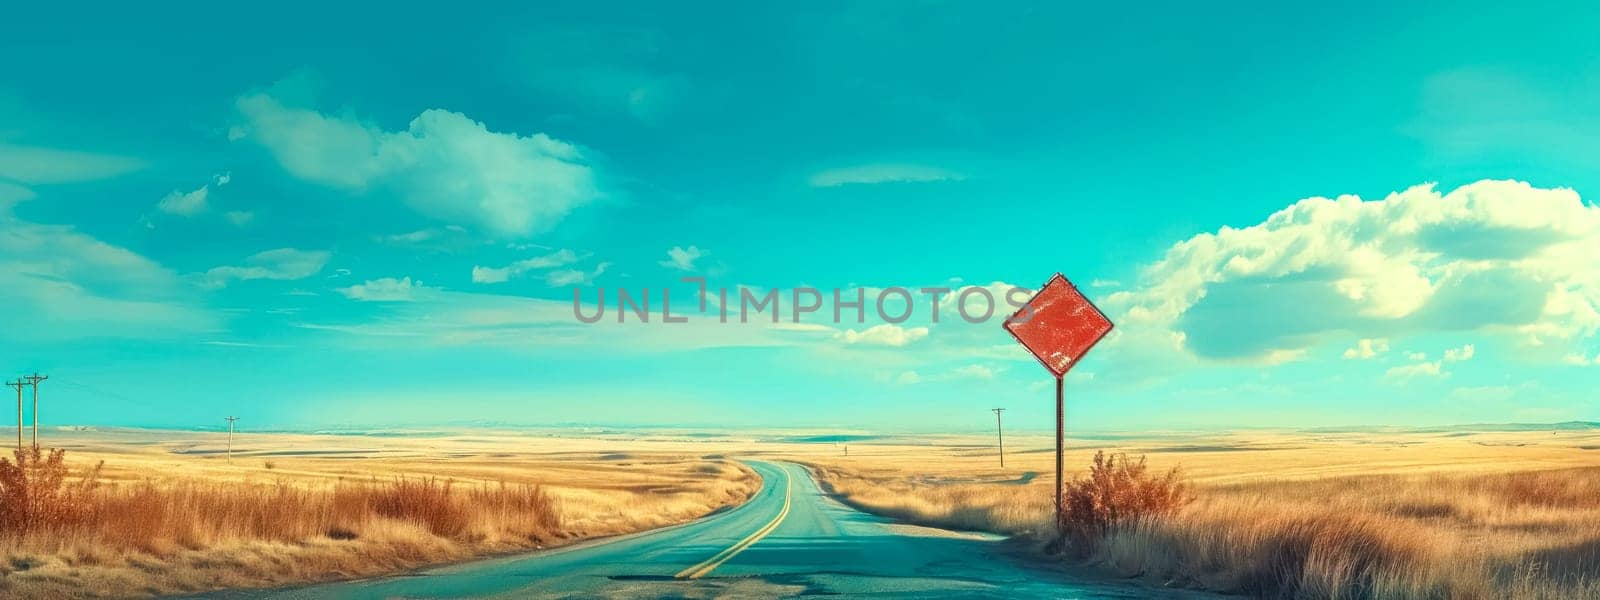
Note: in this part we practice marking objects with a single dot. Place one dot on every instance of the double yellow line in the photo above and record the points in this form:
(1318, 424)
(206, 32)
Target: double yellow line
(700, 570)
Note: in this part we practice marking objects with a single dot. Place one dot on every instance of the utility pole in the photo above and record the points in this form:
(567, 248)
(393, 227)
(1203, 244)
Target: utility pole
(231, 419)
(34, 379)
(1000, 434)
(18, 384)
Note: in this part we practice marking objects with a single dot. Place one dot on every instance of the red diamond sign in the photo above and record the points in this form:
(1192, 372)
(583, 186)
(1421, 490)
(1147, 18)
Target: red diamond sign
(1058, 325)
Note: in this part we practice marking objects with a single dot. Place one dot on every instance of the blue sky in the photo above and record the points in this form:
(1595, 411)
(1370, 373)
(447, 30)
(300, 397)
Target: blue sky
(316, 216)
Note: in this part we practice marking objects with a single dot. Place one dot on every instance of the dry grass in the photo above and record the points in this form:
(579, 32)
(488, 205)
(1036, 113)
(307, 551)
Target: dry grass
(1116, 491)
(970, 507)
(72, 529)
(1441, 518)
(1509, 535)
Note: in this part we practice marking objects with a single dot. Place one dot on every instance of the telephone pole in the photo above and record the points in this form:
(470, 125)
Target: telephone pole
(1000, 434)
(18, 384)
(231, 419)
(34, 379)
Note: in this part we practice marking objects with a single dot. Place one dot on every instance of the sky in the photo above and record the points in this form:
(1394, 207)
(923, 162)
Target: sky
(325, 217)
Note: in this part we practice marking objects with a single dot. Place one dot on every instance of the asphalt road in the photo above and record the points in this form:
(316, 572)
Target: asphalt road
(789, 540)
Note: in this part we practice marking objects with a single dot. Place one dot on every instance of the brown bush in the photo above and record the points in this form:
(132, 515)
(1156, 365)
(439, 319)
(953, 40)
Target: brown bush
(36, 495)
(1116, 490)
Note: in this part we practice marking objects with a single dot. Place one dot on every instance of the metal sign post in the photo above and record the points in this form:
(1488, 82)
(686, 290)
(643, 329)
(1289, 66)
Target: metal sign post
(1058, 325)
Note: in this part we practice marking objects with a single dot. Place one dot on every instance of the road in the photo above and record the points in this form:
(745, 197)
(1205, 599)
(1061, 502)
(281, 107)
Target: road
(790, 539)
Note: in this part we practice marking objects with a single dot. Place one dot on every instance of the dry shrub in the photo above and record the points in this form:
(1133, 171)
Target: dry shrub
(427, 501)
(36, 495)
(1116, 490)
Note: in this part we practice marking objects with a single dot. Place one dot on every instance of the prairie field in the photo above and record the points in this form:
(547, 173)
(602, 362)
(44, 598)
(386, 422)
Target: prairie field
(1350, 514)
(146, 513)
(1281, 514)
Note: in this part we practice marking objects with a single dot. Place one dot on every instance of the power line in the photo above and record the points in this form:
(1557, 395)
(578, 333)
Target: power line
(77, 385)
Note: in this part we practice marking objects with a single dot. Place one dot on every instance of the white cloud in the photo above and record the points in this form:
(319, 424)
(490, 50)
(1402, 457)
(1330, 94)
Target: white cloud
(558, 258)
(194, 202)
(31, 165)
(443, 165)
(412, 237)
(566, 277)
(1460, 354)
(883, 335)
(280, 264)
(1423, 369)
(10, 194)
(682, 259)
(974, 372)
(444, 318)
(58, 283)
(1498, 257)
(1577, 358)
(239, 218)
(882, 173)
(911, 377)
(387, 289)
(185, 204)
(1367, 348)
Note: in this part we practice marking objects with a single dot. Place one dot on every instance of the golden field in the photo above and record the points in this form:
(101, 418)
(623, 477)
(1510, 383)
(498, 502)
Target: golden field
(169, 512)
(1372, 514)
(1380, 514)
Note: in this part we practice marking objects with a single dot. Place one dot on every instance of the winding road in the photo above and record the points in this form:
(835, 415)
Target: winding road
(789, 540)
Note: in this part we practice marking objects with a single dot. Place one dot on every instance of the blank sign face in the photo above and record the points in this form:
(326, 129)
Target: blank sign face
(1059, 325)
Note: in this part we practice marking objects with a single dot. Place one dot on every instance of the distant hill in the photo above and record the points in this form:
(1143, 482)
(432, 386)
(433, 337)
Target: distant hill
(1475, 427)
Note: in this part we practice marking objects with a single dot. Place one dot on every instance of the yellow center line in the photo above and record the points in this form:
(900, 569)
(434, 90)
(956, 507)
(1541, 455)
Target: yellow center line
(700, 570)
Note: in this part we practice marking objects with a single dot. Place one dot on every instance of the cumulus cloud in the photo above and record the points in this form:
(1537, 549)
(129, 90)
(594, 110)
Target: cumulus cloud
(558, 258)
(186, 204)
(883, 335)
(280, 264)
(1422, 367)
(443, 165)
(882, 173)
(682, 259)
(196, 201)
(1498, 257)
(387, 289)
(1367, 348)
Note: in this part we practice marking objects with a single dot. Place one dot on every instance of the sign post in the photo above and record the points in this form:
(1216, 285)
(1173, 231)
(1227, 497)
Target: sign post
(1058, 325)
